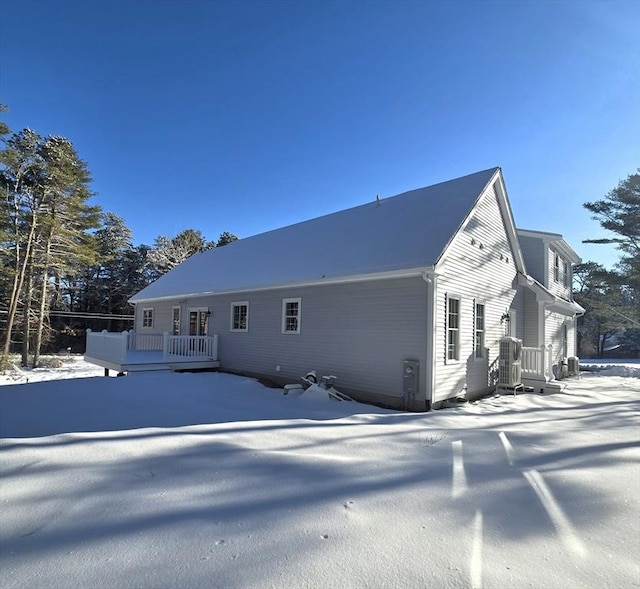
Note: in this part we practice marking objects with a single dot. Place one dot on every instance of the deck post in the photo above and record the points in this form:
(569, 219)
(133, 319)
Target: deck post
(214, 347)
(125, 345)
(165, 345)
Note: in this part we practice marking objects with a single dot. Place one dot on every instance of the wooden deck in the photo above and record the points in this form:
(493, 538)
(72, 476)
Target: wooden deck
(132, 352)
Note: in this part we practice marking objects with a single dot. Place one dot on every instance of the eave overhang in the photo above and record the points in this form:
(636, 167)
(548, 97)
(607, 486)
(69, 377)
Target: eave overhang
(551, 301)
(423, 271)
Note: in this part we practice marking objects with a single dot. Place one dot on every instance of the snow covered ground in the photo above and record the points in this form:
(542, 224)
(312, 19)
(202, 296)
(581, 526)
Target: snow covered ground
(212, 480)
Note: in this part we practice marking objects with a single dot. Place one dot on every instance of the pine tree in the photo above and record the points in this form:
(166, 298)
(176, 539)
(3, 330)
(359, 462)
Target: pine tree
(46, 187)
(167, 252)
(619, 213)
(226, 238)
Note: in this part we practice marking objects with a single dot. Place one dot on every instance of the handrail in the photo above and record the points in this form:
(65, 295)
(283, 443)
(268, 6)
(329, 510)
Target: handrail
(538, 362)
(113, 347)
(202, 346)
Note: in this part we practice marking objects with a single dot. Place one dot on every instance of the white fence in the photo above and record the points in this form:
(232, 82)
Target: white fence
(537, 363)
(108, 346)
(113, 347)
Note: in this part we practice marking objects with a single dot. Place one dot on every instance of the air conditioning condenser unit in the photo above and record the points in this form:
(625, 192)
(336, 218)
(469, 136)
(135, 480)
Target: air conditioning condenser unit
(573, 365)
(510, 362)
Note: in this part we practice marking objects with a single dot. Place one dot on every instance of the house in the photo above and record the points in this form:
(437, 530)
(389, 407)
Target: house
(405, 299)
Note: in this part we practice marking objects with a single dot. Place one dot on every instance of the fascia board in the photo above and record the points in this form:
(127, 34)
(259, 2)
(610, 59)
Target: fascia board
(542, 294)
(507, 219)
(404, 273)
(566, 250)
(550, 300)
(556, 240)
(510, 225)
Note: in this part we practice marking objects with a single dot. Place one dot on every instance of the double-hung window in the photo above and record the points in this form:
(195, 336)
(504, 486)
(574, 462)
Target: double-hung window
(240, 316)
(147, 317)
(453, 328)
(565, 272)
(479, 328)
(556, 267)
(291, 309)
(175, 321)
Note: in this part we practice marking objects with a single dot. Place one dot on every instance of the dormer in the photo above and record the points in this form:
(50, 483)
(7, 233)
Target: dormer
(549, 259)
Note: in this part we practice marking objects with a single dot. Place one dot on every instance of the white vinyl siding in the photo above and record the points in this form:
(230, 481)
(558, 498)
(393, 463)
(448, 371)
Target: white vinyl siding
(291, 309)
(361, 332)
(240, 316)
(559, 275)
(533, 251)
(474, 274)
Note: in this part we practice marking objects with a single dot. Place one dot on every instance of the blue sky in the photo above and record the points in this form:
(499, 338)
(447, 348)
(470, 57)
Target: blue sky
(247, 116)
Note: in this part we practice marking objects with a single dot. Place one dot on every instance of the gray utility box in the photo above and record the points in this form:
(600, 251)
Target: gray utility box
(410, 382)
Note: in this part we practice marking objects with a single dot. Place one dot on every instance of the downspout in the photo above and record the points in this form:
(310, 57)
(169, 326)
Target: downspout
(429, 368)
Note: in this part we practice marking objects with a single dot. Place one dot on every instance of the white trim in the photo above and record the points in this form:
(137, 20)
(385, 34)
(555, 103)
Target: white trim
(556, 240)
(513, 323)
(198, 310)
(143, 323)
(497, 183)
(233, 305)
(553, 302)
(432, 336)
(542, 335)
(173, 321)
(298, 315)
(391, 274)
(507, 217)
(458, 341)
(483, 353)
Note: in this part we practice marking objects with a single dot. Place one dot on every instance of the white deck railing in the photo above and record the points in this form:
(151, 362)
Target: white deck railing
(201, 346)
(145, 341)
(105, 345)
(537, 363)
(113, 347)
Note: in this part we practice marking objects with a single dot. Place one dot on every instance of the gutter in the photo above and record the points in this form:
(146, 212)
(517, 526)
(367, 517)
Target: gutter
(388, 275)
(550, 301)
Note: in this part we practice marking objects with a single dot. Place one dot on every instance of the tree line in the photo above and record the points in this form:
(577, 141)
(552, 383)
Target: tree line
(611, 297)
(65, 264)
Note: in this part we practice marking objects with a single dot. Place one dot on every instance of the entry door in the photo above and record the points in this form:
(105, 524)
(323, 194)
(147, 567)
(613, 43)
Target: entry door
(198, 321)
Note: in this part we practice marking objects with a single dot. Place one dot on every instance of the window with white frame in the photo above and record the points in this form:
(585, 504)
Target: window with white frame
(453, 328)
(556, 267)
(291, 315)
(175, 321)
(240, 316)
(479, 330)
(147, 317)
(565, 272)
